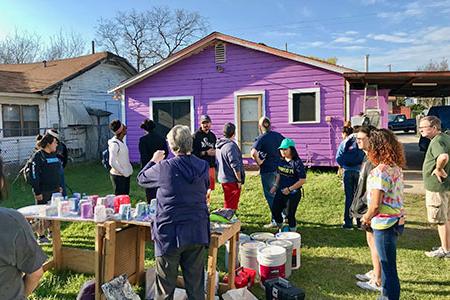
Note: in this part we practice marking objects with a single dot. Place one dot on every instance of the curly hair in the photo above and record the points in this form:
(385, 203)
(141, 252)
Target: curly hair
(385, 148)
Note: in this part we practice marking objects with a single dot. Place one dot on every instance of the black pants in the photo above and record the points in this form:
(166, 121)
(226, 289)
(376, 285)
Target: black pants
(191, 258)
(121, 184)
(150, 194)
(290, 202)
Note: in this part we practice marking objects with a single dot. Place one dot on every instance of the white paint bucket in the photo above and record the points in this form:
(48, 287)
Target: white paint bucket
(296, 240)
(248, 254)
(242, 238)
(288, 246)
(262, 236)
(272, 261)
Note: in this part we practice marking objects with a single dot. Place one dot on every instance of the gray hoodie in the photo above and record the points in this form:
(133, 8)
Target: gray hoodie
(229, 157)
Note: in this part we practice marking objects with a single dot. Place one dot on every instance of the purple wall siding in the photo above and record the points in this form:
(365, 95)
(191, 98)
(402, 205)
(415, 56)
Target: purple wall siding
(356, 104)
(245, 70)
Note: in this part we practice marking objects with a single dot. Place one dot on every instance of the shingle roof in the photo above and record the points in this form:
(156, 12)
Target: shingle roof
(42, 78)
(217, 36)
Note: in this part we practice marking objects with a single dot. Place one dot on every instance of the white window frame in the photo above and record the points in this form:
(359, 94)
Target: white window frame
(238, 94)
(171, 99)
(317, 103)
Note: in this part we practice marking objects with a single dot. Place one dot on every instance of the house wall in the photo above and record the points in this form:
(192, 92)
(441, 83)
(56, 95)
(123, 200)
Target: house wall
(356, 104)
(245, 70)
(15, 149)
(91, 89)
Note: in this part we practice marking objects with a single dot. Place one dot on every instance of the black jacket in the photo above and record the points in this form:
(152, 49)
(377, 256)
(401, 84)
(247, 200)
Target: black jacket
(149, 144)
(359, 204)
(202, 142)
(62, 154)
(45, 172)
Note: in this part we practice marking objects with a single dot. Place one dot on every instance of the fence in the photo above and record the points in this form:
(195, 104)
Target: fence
(84, 143)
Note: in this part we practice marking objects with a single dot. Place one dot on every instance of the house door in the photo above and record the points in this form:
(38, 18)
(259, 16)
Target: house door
(249, 111)
(167, 114)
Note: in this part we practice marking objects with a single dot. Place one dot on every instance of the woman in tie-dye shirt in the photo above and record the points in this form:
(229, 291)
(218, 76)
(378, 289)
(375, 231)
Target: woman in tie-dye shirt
(385, 200)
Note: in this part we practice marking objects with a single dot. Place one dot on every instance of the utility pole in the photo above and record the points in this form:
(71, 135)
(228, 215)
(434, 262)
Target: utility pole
(285, 47)
(367, 63)
(389, 67)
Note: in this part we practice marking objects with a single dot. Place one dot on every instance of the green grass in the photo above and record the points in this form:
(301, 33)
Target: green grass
(330, 256)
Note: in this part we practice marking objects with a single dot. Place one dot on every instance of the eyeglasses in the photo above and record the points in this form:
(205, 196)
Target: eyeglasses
(422, 127)
(361, 139)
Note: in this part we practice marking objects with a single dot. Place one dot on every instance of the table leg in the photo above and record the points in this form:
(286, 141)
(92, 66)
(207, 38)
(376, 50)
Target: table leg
(232, 262)
(99, 251)
(212, 266)
(110, 251)
(140, 257)
(56, 236)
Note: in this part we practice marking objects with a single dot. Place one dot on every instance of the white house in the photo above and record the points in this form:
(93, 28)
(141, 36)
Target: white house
(69, 94)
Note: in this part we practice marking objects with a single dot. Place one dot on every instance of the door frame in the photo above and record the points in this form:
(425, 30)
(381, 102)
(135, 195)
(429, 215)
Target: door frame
(172, 99)
(261, 112)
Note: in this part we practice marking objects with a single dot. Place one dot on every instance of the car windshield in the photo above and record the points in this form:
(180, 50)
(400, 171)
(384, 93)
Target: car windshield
(391, 117)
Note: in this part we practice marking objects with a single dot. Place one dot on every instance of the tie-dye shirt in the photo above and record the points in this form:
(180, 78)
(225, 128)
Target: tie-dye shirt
(389, 180)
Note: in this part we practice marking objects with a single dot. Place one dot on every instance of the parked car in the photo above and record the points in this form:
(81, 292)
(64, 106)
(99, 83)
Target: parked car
(400, 122)
(443, 113)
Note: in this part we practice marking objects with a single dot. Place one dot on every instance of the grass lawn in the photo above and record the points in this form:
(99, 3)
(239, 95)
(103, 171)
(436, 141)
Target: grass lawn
(331, 256)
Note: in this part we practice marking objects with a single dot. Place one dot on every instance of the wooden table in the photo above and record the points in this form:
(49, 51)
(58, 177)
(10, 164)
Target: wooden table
(120, 248)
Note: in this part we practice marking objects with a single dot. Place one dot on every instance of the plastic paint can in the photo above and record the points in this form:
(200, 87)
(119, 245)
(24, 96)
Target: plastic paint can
(272, 261)
(296, 240)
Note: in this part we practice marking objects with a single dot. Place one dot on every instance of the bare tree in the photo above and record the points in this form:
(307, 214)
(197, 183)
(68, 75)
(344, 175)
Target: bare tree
(147, 37)
(20, 47)
(65, 45)
(433, 66)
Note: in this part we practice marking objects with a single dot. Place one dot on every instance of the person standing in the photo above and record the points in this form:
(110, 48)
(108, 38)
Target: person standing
(181, 229)
(119, 160)
(436, 168)
(204, 148)
(287, 186)
(372, 279)
(148, 145)
(349, 157)
(267, 156)
(385, 214)
(21, 258)
(63, 155)
(231, 172)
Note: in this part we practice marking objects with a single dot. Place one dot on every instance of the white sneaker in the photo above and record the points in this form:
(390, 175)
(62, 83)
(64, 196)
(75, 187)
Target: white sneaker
(369, 285)
(365, 277)
(272, 224)
(439, 253)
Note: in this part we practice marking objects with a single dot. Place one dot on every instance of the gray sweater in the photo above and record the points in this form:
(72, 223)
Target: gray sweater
(229, 158)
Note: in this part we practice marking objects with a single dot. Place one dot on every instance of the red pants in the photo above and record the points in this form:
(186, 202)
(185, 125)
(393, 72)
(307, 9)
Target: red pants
(231, 194)
(212, 178)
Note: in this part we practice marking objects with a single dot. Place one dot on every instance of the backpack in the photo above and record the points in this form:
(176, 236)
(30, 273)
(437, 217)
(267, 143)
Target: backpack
(352, 155)
(28, 168)
(105, 157)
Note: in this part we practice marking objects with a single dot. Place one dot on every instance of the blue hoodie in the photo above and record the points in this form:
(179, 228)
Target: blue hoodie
(182, 216)
(348, 155)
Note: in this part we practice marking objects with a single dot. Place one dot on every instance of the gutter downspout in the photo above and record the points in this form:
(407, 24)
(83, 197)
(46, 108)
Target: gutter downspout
(59, 110)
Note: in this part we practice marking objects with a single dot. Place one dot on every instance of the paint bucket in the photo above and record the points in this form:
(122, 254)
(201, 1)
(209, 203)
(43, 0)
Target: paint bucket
(262, 236)
(248, 254)
(242, 238)
(272, 261)
(288, 246)
(296, 240)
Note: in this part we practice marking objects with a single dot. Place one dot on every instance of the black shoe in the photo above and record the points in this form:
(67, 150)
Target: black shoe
(347, 227)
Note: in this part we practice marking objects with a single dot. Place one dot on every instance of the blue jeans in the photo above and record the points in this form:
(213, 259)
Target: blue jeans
(386, 243)
(350, 184)
(267, 180)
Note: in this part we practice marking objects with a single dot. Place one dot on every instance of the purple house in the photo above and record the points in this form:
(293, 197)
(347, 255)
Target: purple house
(238, 81)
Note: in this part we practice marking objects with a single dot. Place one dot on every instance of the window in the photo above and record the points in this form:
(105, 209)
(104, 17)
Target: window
(20, 120)
(168, 112)
(304, 106)
(249, 110)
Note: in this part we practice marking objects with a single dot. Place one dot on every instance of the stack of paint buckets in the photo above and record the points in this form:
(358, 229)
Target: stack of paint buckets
(272, 256)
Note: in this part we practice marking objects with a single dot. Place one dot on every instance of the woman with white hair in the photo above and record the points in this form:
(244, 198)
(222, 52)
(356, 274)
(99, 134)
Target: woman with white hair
(181, 227)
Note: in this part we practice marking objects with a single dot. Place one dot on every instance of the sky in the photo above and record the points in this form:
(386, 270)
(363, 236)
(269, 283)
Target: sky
(402, 34)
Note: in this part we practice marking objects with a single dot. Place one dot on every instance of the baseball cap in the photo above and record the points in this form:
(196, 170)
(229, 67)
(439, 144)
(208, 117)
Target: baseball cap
(205, 118)
(286, 143)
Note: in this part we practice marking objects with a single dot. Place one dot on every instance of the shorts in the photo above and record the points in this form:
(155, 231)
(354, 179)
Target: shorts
(438, 209)
(212, 178)
(231, 194)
